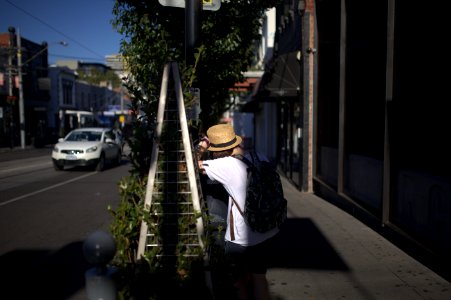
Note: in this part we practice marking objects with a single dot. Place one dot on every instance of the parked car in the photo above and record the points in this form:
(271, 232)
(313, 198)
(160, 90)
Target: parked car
(90, 147)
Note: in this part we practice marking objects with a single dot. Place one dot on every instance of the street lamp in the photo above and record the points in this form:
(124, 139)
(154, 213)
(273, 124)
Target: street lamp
(46, 46)
(19, 71)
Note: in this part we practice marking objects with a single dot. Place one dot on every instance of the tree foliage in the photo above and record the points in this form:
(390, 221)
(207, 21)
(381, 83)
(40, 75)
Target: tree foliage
(97, 77)
(155, 34)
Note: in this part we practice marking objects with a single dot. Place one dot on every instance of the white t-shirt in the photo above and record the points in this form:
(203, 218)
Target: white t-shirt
(232, 173)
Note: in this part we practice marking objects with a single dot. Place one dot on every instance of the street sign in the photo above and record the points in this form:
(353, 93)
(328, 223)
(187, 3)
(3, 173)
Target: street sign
(206, 4)
(193, 112)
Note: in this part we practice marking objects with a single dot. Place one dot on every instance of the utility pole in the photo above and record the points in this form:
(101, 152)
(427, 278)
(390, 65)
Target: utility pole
(11, 30)
(10, 62)
(21, 101)
(193, 9)
(192, 12)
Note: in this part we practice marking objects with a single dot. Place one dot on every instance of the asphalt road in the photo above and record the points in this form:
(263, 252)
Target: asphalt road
(45, 216)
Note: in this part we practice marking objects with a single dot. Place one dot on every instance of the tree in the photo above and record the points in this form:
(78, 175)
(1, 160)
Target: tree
(154, 35)
(97, 77)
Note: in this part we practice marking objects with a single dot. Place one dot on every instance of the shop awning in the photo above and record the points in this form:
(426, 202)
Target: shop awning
(282, 78)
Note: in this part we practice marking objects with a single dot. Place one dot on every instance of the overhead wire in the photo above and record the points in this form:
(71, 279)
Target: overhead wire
(77, 57)
(54, 29)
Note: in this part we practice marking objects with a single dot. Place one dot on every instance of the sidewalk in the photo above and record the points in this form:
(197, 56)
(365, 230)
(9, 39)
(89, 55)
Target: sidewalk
(7, 154)
(327, 254)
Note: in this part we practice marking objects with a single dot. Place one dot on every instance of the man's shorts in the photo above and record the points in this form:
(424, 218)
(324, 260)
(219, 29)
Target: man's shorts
(252, 259)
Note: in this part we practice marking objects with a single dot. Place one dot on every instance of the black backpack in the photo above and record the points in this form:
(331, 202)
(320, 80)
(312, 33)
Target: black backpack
(265, 206)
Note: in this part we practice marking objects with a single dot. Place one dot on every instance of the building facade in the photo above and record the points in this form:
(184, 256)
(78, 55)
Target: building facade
(362, 123)
(76, 103)
(55, 100)
(32, 82)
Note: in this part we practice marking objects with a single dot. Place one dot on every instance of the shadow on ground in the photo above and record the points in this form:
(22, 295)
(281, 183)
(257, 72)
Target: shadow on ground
(301, 245)
(43, 274)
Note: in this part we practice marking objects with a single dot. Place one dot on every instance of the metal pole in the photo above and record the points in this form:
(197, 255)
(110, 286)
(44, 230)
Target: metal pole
(10, 88)
(10, 66)
(192, 11)
(10, 84)
(21, 101)
(122, 102)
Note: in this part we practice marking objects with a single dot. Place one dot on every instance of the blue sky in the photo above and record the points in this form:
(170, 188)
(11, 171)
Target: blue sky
(83, 24)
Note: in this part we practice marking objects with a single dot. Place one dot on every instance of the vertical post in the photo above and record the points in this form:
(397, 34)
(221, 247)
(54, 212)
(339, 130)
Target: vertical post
(10, 63)
(21, 101)
(309, 100)
(192, 20)
(386, 192)
(342, 96)
(192, 12)
(99, 249)
(122, 101)
(10, 83)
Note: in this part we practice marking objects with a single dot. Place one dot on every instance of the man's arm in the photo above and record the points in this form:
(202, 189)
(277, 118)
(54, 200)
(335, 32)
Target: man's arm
(201, 148)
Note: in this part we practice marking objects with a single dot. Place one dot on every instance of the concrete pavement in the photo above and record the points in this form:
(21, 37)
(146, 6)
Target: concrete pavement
(324, 253)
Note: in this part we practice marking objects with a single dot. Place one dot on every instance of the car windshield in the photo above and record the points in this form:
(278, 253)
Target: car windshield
(90, 136)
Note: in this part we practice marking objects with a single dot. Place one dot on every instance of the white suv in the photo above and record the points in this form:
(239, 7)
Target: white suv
(87, 147)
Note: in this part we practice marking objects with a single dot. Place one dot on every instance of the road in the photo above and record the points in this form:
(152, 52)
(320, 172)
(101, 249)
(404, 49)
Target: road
(45, 216)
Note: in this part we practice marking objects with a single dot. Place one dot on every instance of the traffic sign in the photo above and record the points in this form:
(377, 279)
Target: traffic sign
(206, 4)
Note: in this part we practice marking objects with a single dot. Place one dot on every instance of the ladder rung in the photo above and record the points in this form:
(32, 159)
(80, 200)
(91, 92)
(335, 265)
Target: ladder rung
(171, 151)
(173, 245)
(169, 225)
(171, 193)
(171, 214)
(184, 255)
(186, 234)
(172, 203)
(173, 182)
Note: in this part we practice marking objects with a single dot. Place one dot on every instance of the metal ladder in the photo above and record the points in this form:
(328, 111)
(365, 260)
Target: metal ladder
(174, 226)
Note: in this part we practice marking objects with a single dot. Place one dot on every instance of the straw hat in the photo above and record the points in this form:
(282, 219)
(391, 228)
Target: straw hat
(222, 137)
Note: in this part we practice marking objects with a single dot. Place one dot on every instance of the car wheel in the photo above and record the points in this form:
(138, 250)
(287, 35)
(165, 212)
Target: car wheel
(58, 167)
(101, 164)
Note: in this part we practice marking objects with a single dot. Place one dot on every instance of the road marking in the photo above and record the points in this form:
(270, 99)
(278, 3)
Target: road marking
(45, 164)
(47, 188)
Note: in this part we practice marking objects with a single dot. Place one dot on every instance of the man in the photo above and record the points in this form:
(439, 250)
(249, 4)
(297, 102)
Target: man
(247, 250)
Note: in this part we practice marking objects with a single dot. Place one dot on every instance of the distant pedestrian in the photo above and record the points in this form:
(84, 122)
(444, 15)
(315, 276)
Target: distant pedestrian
(248, 251)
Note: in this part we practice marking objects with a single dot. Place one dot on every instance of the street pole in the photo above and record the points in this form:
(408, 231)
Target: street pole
(192, 12)
(10, 65)
(10, 84)
(21, 101)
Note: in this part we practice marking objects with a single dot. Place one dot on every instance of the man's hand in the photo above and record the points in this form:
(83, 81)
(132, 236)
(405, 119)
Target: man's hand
(203, 145)
(201, 167)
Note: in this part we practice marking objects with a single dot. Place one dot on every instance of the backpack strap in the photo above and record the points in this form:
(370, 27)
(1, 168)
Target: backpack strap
(232, 231)
(237, 206)
(254, 156)
(244, 159)
(249, 164)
